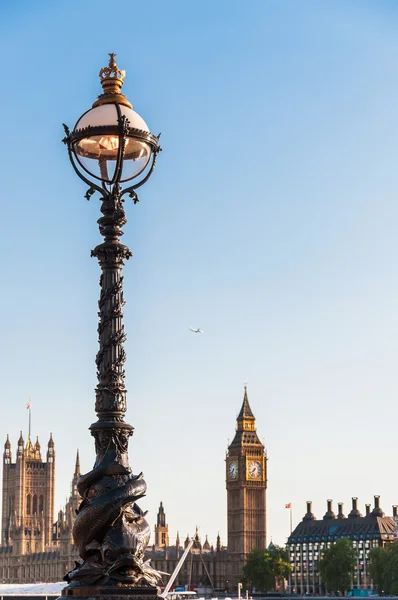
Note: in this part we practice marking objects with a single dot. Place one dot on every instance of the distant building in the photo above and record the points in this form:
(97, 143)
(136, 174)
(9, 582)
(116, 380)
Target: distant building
(246, 481)
(35, 548)
(312, 536)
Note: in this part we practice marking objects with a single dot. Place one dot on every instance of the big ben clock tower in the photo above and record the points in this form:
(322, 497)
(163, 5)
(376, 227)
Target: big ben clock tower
(246, 479)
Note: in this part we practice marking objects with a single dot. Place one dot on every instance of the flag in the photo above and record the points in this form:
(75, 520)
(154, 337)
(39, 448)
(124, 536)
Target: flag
(288, 505)
(28, 406)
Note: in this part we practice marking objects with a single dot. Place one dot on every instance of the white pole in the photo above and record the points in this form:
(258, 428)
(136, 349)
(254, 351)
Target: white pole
(176, 570)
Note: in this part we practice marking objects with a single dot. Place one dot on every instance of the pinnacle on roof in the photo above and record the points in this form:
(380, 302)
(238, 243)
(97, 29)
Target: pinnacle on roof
(51, 441)
(77, 465)
(21, 440)
(218, 541)
(7, 444)
(37, 443)
(245, 411)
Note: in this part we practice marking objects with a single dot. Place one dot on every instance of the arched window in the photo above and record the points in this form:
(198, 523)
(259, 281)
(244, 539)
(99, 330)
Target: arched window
(41, 503)
(34, 504)
(28, 504)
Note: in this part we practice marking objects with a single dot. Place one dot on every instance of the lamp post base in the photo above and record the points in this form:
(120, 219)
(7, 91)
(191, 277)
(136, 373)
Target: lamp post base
(109, 592)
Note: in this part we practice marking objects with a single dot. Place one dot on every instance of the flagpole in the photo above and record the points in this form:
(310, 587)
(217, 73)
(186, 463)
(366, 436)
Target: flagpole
(291, 518)
(30, 416)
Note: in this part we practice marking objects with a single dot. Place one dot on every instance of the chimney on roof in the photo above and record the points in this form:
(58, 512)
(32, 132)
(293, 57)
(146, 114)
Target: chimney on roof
(377, 511)
(329, 513)
(309, 516)
(355, 512)
(394, 510)
(340, 515)
(367, 506)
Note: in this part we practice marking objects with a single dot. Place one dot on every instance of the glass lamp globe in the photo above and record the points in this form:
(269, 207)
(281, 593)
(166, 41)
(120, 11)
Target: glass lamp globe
(98, 154)
(111, 141)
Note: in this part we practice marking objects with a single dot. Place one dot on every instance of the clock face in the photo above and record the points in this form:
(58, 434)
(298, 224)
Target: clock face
(254, 469)
(233, 470)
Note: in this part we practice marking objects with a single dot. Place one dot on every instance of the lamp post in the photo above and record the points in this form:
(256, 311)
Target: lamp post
(112, 150)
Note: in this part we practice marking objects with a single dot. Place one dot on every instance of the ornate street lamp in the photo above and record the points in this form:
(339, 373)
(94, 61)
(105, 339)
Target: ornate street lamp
(113, 152)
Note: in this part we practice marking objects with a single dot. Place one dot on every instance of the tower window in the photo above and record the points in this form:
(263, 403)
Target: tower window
(28, 504)
(34, 504)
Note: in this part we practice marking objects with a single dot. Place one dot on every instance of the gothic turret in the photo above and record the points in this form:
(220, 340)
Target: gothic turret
(161, 516)
(76, 475)
(161, 529)
(37, 449)
(77, 465)
(75, 498)
(50, 450)
(21, 444)
(7, 451)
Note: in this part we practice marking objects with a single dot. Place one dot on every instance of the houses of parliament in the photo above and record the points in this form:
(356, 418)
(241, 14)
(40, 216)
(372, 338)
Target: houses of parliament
(36, 547)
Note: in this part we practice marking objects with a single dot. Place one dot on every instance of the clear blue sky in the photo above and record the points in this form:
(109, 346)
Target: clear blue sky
(271, 223)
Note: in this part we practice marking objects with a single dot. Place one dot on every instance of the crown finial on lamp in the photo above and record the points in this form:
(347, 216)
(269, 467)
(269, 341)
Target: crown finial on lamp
(112, 79)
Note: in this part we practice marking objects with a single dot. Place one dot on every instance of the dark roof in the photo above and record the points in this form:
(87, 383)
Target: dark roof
(370, 526)
(245, 411)
(245, 431)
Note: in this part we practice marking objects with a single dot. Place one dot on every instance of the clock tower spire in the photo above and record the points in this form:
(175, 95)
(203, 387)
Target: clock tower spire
(246, 481)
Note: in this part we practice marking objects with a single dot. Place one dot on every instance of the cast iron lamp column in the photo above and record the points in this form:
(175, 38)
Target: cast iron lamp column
(113, 152)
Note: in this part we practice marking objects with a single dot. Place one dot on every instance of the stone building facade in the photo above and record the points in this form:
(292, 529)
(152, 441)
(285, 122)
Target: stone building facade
(33, 547)
(36, 548)
(246, 480)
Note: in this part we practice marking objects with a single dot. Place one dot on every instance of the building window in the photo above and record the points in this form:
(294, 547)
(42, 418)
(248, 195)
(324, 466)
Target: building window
(34, 504)
(28, 504)
(41, 504)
